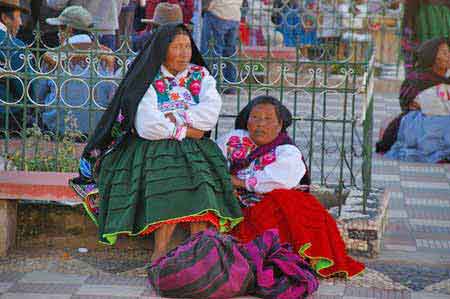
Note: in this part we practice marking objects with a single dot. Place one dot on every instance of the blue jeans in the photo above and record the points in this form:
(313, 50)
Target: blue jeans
(108, 40)
(225, 35)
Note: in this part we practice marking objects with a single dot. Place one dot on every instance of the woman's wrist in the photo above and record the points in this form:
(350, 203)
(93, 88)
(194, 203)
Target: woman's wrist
(179, 133)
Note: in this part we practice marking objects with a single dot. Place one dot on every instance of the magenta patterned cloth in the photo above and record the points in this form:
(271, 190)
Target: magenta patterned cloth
(212, 265)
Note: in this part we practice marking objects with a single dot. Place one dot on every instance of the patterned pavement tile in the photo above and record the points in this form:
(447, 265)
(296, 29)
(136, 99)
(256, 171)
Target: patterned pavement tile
(415, 277)
(427, 186)
(54, 278)
(386, 177)
(428, 295)
(398, 226)
(427, 202)
(432, 236)
(334, 290)
(406, 248)
(374, 293)
(428, 213)
(4, 286)
(426, 193)
(396, 205)
(115, 280)
(397, 213)
(430, 229)
(357, 292)
(433, 244)
(105, 290)
(416, 168)
(110, 296)
(34, 296)
(320, 296)
(10, 276)
(44, 288)
(425, 179)
(430, 222)
(381, 162)
(393, 195)
(402, 238)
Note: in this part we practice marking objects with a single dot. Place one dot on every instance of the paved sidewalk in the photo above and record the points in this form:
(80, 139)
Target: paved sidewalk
(47, 285)
(50, 285)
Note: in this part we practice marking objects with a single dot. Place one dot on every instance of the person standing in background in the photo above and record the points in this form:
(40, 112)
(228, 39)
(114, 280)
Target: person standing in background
(221, 19)
(105, 14)
(187, 7)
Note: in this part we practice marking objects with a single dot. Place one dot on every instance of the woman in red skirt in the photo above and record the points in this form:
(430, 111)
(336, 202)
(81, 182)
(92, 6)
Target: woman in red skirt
(268, 171)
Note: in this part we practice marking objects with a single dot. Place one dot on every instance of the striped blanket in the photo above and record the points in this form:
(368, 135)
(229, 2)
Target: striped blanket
(212, 265)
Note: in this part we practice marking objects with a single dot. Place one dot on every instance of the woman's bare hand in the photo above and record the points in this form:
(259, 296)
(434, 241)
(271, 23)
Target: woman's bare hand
(238, 183)
(414, 106)
(171, 117)
(194, 133)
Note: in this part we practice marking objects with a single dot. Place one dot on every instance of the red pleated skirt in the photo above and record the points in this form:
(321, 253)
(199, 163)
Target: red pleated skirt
(303, 222)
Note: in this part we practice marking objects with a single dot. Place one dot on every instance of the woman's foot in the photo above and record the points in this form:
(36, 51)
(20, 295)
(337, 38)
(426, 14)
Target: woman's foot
(162, 238)
(197, 227)
(157, 254)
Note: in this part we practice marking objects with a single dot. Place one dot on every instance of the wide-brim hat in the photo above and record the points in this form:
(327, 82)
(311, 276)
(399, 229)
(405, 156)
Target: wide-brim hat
(166, 13)
(14, 4)
(73, 16)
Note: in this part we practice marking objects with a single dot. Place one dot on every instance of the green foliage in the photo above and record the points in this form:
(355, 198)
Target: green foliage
(45, 151)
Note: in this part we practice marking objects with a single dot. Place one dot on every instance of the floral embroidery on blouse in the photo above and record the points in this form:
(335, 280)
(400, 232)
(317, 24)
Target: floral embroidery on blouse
(240, 148)
(443, 92)
(179, 94)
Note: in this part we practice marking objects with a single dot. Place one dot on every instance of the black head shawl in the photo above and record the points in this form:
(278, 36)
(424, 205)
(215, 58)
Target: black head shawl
(426, 53)
(284, 113)
(137, 80)
(423, 77)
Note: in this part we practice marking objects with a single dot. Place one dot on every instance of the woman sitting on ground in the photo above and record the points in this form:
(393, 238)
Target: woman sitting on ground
(424, 100)
(149, 163)
(266, 169)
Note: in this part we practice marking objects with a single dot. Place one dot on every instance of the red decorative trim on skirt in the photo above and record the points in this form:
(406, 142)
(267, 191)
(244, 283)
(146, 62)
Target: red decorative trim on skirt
(300, 220)
(209, 217)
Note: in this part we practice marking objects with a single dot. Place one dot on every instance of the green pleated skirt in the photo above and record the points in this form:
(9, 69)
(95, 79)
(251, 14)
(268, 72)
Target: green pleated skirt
(143, 184)
(433, 21)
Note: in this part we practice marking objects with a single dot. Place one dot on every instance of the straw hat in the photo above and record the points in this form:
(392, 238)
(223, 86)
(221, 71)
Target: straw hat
(14, 4)
(166, 13)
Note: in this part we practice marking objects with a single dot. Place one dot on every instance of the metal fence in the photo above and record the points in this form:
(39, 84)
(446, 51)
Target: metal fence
(55, 96)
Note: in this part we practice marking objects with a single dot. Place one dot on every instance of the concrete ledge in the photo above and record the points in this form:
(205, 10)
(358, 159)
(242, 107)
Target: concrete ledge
(362, 233)
(21, 185)
(46, 186)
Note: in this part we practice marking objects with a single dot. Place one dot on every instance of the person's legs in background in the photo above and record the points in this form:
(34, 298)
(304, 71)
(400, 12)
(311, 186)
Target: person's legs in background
(212, 42)
(229, 50)
(108, 40)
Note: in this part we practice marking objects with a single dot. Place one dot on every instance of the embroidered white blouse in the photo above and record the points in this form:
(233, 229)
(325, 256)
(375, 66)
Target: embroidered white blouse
(282, 168)
(435, 100)
(151, 122)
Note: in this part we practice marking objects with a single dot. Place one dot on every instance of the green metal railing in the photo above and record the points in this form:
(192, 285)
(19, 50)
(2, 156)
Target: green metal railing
(328, 93)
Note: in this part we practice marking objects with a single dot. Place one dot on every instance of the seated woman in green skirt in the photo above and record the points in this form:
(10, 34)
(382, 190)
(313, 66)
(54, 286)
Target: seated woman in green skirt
(149, 163)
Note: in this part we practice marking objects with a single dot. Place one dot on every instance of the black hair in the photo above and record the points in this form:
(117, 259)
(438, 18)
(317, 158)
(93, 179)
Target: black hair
(283, 114)
(8, 11)
(181, 30)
